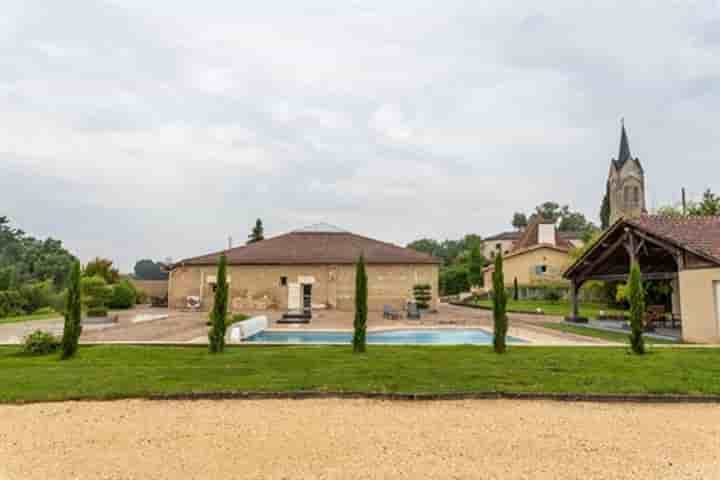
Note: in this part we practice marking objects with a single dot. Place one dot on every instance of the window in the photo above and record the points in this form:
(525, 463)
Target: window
(540, 270)
(283, 281)
(498, 246)
(636, 196)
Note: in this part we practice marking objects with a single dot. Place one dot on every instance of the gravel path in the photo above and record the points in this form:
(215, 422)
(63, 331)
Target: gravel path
(346, 439)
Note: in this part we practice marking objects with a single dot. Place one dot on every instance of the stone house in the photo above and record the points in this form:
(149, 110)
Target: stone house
(539, 256)
(314, 265)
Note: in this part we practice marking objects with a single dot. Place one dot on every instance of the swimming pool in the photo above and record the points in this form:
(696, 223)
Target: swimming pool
(389, 337)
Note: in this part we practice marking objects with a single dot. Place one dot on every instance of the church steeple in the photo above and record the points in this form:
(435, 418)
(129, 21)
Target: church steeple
(624, 154)
(626, 182)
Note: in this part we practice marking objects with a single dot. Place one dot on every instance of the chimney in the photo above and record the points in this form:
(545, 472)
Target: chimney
(546, 233)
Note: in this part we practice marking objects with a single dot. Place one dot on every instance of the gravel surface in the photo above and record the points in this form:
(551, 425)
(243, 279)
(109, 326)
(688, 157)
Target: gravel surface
(346, 439)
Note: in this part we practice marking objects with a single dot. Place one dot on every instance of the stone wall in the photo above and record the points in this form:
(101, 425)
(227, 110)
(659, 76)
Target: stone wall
(699, 308)
(154, 288)
(261, 287)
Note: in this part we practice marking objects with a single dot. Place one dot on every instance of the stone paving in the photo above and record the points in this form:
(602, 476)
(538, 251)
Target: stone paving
(179, 326)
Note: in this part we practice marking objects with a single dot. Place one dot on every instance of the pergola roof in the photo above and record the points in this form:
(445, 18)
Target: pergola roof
(661, 243)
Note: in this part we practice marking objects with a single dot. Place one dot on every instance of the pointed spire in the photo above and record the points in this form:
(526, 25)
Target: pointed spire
(624, 154)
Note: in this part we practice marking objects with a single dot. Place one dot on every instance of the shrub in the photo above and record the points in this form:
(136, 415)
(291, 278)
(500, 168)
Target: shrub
(11, 303)
(454, 280)
(97, 312)
(141, 297)
(123, 295)
(36, 295)
(40, 343)
(58, 300)
(95, 292)
(423, 294)
(552, 295)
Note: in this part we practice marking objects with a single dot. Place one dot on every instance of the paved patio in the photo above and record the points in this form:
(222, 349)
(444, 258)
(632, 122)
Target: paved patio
(191, 327)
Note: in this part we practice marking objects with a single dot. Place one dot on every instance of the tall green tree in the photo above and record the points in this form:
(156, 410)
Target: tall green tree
(476, 264)
(519, 221)
(73, 313)
(258, 232)
(361, 307)
(499, 297)
(605, 212)
(709, 205)
(218, 315)
(146, 269)
(636, 298)
(102, 267)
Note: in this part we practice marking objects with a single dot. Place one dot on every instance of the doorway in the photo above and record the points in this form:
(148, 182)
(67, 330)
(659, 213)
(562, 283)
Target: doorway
(307, 299)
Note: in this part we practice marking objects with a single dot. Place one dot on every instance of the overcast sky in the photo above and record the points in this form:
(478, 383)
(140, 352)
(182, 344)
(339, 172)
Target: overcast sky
(132, 131)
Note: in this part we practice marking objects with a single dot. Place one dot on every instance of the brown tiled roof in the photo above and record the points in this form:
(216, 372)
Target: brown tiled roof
(701, 234)
(531, 237)
(313, 248)
(515, 234)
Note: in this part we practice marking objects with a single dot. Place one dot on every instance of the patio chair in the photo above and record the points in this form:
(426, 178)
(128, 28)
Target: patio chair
(413, 312)
(653, 315)
(391, 313)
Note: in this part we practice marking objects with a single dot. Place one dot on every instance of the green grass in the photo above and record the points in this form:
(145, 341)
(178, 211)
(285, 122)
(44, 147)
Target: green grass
(602, 334)
(102, 372)
(28, 318)
(560, 309)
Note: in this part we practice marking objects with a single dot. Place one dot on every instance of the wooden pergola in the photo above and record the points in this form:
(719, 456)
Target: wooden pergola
(660, 255)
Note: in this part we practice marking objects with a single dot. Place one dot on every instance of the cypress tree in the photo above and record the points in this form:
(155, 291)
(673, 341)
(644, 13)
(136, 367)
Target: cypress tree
(636, 298)
(361, 307)
(605, 212)
(73, 314)
(500, 323)
(258, 232)
(219, 311)
(516, 290)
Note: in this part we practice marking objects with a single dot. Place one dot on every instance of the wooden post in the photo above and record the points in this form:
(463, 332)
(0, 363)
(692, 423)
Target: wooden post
(575, 294)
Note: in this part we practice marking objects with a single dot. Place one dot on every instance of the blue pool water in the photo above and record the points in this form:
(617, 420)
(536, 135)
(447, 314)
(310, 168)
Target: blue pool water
(406, 337)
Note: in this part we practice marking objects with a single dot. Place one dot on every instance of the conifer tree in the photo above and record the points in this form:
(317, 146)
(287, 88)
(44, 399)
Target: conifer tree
(73, 314)
(499, 296)
(636, 298)
(361, 307)
(218, 314)
(258, 232)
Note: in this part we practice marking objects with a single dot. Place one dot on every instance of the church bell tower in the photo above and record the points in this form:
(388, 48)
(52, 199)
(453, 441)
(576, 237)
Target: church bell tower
(626, 183)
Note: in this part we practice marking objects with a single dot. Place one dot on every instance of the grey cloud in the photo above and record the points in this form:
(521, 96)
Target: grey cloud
(171, 125)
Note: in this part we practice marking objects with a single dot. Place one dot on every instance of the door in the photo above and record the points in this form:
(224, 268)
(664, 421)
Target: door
(293, 296)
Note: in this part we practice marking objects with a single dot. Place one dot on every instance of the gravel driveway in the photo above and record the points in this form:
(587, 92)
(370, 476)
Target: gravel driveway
(347, 439)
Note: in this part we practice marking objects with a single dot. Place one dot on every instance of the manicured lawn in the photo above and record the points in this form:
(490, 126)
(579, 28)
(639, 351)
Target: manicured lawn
(597, 333)
(127, 371)
(561, 309)
(33, 316)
